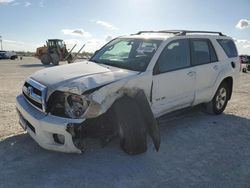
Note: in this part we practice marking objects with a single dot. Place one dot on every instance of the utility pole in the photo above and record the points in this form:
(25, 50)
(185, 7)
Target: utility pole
(1, 42)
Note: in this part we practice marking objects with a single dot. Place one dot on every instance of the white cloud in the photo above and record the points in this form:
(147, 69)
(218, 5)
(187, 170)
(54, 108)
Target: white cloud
(27, 4)
(15, 3)
(75, 32)
(18, 45)
(243, 46)
(106, 25)
(246, 46)
(108, 38)
(242, 42)
(13, 41)
(6, 1)
(72, 41)
(243, 24)
(41, 3)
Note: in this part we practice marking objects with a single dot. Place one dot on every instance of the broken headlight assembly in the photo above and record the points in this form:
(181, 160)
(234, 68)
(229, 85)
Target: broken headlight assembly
(67, 105)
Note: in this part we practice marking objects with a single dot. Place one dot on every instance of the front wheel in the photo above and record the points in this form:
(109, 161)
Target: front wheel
(220, 100)
(69, 59)
(45, 59)
(55, 59)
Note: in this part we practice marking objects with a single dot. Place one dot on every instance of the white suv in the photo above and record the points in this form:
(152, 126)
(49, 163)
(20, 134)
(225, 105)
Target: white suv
(125, 86)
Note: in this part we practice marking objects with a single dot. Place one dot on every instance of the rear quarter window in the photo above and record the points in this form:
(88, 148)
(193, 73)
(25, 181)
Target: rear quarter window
(228, 47)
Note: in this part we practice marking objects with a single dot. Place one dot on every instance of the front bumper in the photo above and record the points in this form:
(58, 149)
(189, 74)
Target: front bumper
(41, 127)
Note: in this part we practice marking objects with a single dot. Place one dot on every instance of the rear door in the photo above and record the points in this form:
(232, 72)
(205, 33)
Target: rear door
(206, 65)
(173, 79)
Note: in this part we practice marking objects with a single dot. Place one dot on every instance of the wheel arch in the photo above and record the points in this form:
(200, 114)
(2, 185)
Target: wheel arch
(229, 82)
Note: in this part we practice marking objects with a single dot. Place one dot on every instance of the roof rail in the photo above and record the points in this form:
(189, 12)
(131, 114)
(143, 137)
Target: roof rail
(181, 32)
(165, 31)
(205, 32)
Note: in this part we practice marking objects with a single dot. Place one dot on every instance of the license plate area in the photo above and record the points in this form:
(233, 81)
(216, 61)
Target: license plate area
(24, 123)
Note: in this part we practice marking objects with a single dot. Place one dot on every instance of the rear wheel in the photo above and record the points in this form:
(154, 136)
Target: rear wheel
(220, 100)
(248, 67)
(55, 59)
(70, 58)
(131, 128)
(45, 59)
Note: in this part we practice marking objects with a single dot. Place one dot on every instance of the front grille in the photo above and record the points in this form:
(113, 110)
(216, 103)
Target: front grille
(35, 94)
(36, 91)
(35, 103)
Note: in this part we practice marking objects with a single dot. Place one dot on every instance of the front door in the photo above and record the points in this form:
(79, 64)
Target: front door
(173, 79)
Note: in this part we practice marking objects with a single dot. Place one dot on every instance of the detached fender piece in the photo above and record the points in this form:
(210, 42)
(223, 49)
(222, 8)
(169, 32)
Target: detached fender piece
(134, 119)
(150, 121)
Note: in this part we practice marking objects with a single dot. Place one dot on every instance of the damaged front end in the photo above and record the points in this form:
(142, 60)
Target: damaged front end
(102, 118)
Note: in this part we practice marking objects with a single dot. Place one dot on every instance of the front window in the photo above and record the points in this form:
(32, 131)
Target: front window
(132, 54)
(175, 56)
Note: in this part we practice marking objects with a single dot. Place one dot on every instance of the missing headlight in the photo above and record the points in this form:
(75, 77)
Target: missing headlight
(75, 105)
(67, 105)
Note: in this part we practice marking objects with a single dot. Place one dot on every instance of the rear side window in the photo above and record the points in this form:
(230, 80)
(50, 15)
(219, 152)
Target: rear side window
(229, 47)
(202, 52)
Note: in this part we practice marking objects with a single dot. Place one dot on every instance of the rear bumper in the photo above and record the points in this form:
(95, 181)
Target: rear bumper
(41, 127)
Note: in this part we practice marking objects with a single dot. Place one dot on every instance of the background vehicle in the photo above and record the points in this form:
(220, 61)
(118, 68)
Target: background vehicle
(54, 51)
(8, 55)
(245, 59)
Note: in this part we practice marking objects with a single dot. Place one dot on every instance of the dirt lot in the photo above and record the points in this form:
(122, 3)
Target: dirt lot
(197, 150)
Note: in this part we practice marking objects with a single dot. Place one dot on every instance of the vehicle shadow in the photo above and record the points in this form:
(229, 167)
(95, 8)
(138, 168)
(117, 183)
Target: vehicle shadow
(197, 149)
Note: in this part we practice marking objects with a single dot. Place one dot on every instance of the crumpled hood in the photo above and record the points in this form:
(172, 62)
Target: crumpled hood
(79, 77)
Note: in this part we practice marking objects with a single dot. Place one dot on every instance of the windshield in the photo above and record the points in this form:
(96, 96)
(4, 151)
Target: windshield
(127, 53)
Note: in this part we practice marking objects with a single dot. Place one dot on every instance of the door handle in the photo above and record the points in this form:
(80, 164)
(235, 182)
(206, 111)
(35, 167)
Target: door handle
(191, 73)
(233, 64)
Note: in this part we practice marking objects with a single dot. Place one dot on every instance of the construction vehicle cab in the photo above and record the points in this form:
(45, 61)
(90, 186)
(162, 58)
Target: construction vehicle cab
(55, 43)
(54, 51)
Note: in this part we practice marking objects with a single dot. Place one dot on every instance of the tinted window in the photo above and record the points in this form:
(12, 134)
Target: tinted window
(175, 56)
(202, 52)
(229, 47)
(213, 56)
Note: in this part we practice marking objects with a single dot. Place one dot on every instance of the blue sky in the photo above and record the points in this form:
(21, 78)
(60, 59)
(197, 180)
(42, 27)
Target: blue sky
(26, 24)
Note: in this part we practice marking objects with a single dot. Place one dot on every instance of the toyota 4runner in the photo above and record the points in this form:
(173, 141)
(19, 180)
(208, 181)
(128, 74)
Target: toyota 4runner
(125, 86)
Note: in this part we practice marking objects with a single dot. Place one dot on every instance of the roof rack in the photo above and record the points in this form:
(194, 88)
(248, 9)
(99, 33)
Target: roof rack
(181, 32)
(165, 31)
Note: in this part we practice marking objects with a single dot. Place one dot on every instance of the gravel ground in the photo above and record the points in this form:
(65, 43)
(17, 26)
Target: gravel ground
(197, 149)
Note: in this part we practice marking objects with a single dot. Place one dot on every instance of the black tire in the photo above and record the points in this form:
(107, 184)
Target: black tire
(45, 59)
(248, 67)
(12, 57)
(244, 70)
(220, 100)
(69, 59)
(130, 125)
(55, 59)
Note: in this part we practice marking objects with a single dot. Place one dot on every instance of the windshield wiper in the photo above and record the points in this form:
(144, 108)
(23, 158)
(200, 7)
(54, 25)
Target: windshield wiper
(120, 66)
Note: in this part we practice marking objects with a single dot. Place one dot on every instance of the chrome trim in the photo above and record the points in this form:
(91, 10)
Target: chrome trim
(39, 99)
